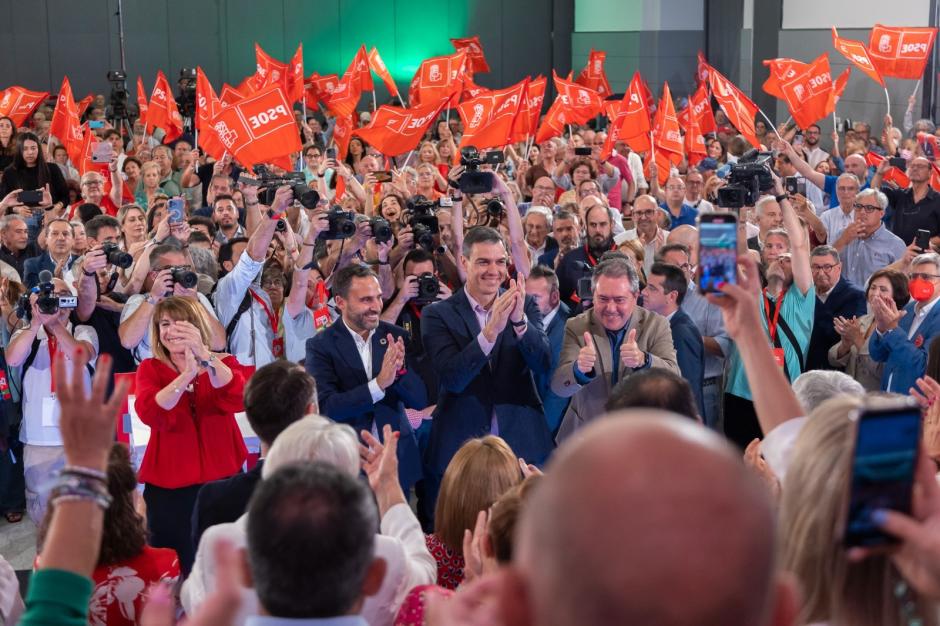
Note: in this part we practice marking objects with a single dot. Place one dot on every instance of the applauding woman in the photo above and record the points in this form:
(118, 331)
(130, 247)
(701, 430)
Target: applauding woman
(188, 396)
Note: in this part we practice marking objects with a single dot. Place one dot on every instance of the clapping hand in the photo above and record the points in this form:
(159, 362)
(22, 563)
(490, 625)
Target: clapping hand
(500, 312)
(392, 362)
(886, 314)
(380, 463)
(849, 329)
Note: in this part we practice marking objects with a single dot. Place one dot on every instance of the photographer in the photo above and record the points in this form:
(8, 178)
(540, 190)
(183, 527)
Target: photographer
(169, 265)
(33, 348)
(244, 308)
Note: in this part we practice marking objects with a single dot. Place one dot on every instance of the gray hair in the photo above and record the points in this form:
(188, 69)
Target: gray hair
(814, 387)
(543, 211)
(762, 202)
(849, 175)
(825, 251)
(617, 266)
(927, 257)
(204, 262)
(314, 438)
(880, 198)
(6, 220)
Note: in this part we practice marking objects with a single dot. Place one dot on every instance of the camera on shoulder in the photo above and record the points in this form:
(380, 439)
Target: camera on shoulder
(473, 180)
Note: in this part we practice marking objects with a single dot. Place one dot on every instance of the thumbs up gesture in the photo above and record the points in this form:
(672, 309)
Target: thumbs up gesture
(587, 355)
(630, 354)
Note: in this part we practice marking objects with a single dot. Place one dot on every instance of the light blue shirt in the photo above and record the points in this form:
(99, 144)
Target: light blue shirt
(863, 257)
(343, 620)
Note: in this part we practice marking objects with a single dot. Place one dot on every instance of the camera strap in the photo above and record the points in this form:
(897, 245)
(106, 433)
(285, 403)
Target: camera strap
(243, 306)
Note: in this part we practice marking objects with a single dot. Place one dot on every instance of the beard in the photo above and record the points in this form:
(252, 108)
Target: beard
(600, 245)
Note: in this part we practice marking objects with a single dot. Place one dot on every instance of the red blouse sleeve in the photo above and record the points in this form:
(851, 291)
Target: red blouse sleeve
(230, 397)
(152, 376)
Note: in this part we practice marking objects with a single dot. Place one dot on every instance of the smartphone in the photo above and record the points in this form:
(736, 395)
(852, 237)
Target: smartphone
(582, 151)
(331, 153)
(102, 152)
(174, 207)
(883, 466)
(923, 239)
(30, 197)
(718, 251)
(95, 124)
(795, 185)
(898, 162)
(584, 291)
(797, 139)
(383, 176)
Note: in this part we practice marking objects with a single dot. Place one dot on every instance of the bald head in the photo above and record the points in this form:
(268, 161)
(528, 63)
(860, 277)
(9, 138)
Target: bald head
(685, 234)
(648, 518)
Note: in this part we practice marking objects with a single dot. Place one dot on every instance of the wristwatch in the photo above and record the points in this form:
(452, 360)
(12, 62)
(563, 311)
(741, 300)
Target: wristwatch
(520, 323)
(207, 362)
(782, 197)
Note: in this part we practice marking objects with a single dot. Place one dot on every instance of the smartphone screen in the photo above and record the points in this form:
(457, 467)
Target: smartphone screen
(331, 153)
(175, 210)
(102, 152)
(382, 176)
(922, 239)
(93, 124)
(898, 162)
(718, 251)
(883, 466)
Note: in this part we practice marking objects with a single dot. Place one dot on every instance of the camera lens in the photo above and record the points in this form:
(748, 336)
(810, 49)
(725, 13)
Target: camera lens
(281, 226)
(185, 277)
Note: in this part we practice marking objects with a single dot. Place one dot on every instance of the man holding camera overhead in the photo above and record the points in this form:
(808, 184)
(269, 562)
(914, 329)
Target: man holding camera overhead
(45, 332)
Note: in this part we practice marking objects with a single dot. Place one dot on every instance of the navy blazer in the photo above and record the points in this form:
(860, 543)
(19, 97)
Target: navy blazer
(223, 501)
(547, 258)
(343, 392)
(845, 300)
(32, 267)
(554, 404)
(905, 359)
(690, 353)
(474, 386)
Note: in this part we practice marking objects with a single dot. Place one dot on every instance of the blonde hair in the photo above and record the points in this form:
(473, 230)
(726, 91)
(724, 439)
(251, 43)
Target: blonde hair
(314, 438)
(481, 471)
(177, 309)
(835, 590)
(127, 208)
(146, 167)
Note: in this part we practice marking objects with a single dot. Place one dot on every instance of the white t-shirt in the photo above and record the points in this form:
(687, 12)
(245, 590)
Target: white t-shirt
(40, 406)
(143, 350)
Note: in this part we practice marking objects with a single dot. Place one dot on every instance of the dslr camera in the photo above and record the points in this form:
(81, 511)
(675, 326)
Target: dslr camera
(748, 178)
(473, 180)
(423, 221)
(342, 224)
(268, 183)
(381, 229)
(183, 276)
(428, 288)
(116, 256)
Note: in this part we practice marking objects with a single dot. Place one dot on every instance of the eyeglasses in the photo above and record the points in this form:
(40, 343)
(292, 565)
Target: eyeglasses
(828, 267)
(923, 276)
(642, 213)
(675, 188)
(544, 188)
(847, 189)
(866, 208)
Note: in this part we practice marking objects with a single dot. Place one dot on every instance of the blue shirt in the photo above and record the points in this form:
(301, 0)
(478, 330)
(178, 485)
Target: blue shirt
(687, 215)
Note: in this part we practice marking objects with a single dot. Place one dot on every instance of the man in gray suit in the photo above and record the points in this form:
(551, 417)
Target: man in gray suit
(608, 342)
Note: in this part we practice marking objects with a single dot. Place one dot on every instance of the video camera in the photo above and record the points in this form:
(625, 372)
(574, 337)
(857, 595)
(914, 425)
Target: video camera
(117, 102)
(423, 221)
(750, 176)
(342, 224)
(268, 183)
(187, 98)
(473, 180)
(47, 302)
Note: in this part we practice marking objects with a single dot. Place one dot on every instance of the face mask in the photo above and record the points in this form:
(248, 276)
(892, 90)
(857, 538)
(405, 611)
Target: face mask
(921, 289)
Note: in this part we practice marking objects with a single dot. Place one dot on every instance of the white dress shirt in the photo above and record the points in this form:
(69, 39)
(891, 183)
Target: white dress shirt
(364, 346)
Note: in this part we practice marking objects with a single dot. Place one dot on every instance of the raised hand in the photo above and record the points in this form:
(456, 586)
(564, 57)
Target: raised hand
(518, 309)
(630, 354)
(500, 312)
(391, 363)
(587, 355)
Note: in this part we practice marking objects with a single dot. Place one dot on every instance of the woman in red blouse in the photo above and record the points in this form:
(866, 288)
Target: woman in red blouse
(188, 396)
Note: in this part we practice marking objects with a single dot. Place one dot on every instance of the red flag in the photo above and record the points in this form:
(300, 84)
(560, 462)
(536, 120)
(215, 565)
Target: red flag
(472, 90)
(857, 53)
(65, 115)
(893, 174)
(695, 148)
(807, 92)
(83, 162)
(141, 101)
(929, 145)
(229, 95)
(162, 111)
(522, 126)
(667, 134)
(394, 130)
(737, 106)
(259, 128)
(378, 66)
(439, 77)
(319, 88)
(593, 75)
(553, 125)
(342, 133)
(700, 108)
(85, 102)
(18, 103)
(268, 70)
(900, 51)
(701, 72)
(477, 62)
(781, 69)
(635, 116)
(580, 103)
(295, 76)
(935, 176)
(247, 86)
(207, 107)
(488, 119)
(535, 96)
(838, 88)
(345, 96)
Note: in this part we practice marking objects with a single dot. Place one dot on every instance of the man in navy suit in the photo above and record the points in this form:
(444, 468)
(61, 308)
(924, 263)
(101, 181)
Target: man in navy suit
(359, 367)
(59, 239)
(542, 285)
(835, 297)
(487, 345)
(665, 289)
(902, 338)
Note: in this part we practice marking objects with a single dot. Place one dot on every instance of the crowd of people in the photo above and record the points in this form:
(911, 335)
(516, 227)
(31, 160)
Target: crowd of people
(510, 407)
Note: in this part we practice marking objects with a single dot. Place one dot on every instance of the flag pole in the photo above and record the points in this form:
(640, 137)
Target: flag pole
(888, 99)
(403, 105)
(374, 107)
(303, 111)
(195, 136)
(916, 87)
(769, 123)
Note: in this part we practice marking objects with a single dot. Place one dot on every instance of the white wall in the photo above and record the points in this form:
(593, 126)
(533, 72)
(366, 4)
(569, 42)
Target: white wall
(812, 14)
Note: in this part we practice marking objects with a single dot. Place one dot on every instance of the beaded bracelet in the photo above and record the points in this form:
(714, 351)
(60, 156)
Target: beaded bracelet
(74, 487)
(85, 471)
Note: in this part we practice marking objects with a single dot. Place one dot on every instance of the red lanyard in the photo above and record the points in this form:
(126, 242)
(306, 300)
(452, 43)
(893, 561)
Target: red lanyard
(267, 311)
(53, 348)
(590, 256)
(772, 324)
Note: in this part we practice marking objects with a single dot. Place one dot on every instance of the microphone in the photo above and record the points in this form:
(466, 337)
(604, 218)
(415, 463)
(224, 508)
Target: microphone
(45, 276)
